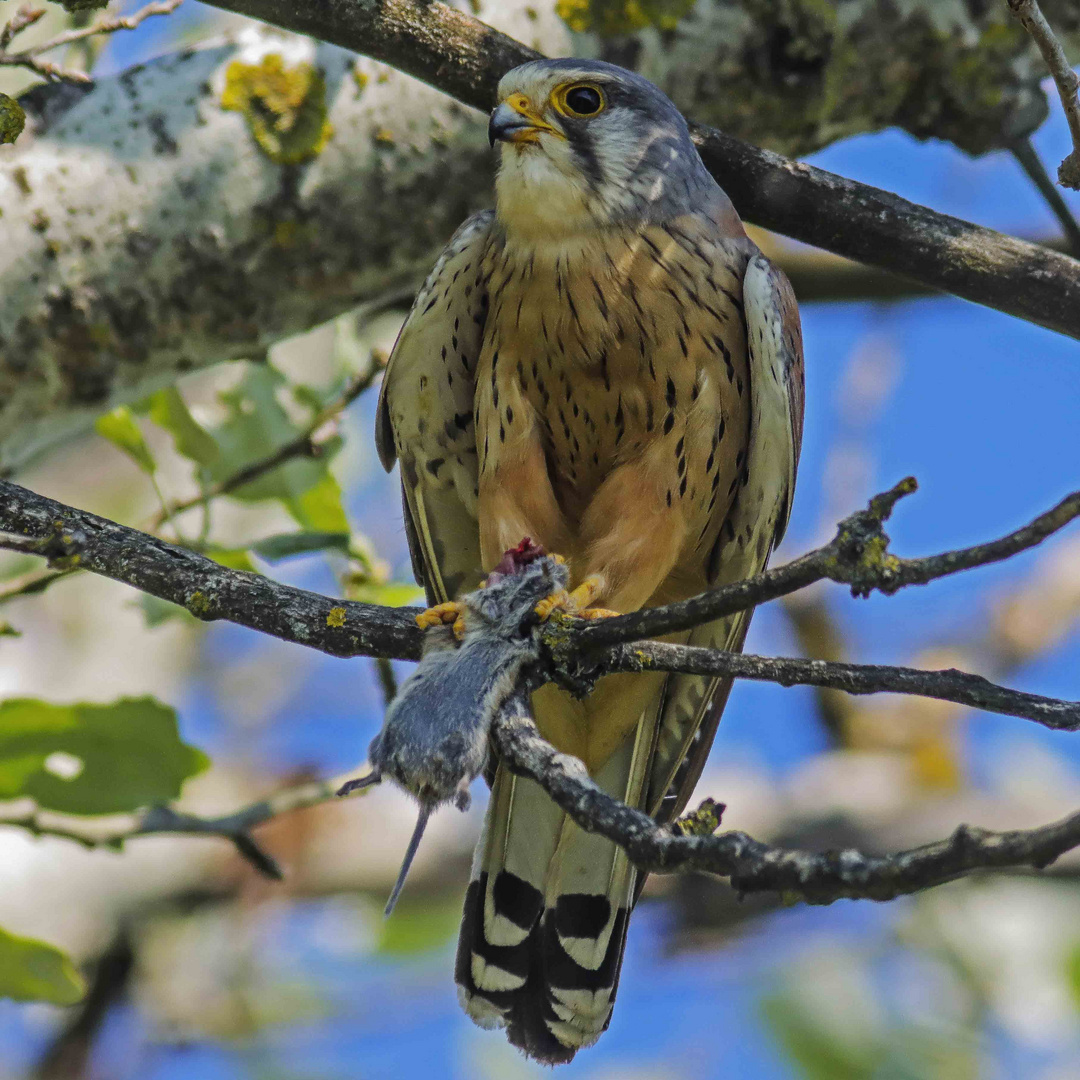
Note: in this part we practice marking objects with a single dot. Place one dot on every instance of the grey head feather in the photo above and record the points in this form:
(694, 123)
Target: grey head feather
(637, 154)
(434, 740)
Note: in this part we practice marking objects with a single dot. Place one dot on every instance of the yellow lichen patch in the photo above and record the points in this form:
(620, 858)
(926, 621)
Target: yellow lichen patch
(610, 17)
(285, 108)
(12, 119)
(336, 617)
(703, 821)
(198, 604)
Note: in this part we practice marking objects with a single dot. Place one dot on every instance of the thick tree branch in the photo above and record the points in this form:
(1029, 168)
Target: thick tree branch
(216, 249)
(464, 57)
(1065, 79)
(209, 591)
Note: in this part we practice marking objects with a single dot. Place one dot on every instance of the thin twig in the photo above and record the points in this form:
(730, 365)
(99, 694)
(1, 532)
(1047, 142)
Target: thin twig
(1065, 79)
(308, 443)
(30, 58)
(32, 584)
(387, 680)
(114, 830)
(1028, 159)
(858, 556)
(751, 865)
(947, 685)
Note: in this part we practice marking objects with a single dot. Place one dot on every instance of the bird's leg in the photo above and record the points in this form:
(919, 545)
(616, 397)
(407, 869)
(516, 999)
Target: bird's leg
(450, 613)
(576, 602)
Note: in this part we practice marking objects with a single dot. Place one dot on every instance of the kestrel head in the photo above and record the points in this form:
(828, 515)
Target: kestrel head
(589, 145)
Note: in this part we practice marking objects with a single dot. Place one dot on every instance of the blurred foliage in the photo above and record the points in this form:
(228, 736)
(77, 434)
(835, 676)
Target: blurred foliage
(12, 119)
(34, 971)
(257, 423)
(120, 428)
(420, 924)
(835, 1022)
(93, 759)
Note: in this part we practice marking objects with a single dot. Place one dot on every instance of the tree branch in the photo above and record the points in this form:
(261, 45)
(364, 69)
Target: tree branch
(577, 652)
(465, 57)
(751, 865)
(30, 58)
(857, 556)
(948, 685)
(66, 537)
(115, 829)
(1065, 79)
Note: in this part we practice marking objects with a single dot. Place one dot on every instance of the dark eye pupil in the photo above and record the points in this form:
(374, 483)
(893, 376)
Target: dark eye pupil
(584, 100)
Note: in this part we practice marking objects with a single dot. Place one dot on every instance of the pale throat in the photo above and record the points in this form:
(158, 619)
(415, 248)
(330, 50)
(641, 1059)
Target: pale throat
(538, 200)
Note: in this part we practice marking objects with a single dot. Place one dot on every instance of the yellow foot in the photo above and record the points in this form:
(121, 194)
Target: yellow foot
(597, 613)
(576, 602)
(557, 601)
(449, 614)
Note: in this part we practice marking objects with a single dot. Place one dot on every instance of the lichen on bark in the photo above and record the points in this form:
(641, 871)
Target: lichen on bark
(12, 119)
(285, 107)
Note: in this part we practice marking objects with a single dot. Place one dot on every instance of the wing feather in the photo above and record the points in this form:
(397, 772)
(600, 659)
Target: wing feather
(425, 414)
(752, 528)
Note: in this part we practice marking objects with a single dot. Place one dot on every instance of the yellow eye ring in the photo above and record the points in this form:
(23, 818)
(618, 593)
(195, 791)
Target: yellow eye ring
(578, 100)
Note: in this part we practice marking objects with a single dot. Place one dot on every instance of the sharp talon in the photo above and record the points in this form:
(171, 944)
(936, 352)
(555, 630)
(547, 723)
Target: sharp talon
(448, 614)
(597, 613)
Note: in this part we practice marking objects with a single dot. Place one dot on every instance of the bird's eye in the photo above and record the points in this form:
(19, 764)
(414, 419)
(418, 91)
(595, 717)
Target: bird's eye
(579, 99)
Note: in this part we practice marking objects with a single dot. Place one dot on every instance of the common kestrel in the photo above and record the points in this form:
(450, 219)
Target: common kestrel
(607, 364)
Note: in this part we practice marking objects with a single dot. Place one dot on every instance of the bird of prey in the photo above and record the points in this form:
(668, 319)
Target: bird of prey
(607, 364)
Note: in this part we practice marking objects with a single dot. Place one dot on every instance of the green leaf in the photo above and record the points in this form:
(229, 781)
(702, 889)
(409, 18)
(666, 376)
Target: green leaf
(34, 971)
(233, 558)
(120, 429)
(319, 507)
(93, 759)
(390, 594)
(286, 545)
(157, 611)
(257, 425)
(169, 411)
(1072, 973)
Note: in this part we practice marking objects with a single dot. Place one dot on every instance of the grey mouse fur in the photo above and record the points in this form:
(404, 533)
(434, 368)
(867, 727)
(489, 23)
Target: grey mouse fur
(434, 740)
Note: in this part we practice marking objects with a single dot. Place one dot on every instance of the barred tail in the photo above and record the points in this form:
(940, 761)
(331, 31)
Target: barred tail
(545, 916)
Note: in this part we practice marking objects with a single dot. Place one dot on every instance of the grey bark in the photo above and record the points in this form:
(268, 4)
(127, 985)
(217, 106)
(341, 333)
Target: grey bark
(144, 233)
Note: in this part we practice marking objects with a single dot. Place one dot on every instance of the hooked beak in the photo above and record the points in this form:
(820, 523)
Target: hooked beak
(516, 121)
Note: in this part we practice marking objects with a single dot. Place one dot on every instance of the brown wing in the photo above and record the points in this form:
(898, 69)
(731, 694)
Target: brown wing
(425, 415)
(752, 528)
